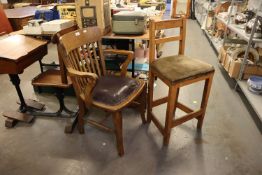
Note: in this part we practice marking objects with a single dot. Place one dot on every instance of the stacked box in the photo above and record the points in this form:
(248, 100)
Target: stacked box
(233, 66)
(94, 13)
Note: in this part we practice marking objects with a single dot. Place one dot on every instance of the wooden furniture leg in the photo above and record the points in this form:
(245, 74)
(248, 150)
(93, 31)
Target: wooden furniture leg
(150, 96)
(117, 119)
(21, 115)
(142, 105)
(170, 111)
(205, 97)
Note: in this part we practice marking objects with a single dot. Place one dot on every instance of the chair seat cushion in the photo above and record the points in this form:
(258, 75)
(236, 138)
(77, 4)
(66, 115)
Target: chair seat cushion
(113, 90)
(180, 67)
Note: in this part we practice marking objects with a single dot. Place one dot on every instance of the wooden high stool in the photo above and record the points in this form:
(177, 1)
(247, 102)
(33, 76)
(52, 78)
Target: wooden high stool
(175, 71)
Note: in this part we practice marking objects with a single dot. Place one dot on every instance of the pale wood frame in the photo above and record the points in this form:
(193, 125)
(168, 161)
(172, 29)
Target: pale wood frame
(172, 98)
(174, 9)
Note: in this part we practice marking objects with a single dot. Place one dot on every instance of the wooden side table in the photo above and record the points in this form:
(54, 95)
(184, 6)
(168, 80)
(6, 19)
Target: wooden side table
(17, 52)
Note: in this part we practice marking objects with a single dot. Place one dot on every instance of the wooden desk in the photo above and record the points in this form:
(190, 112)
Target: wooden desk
(17, 52)
(19, 17)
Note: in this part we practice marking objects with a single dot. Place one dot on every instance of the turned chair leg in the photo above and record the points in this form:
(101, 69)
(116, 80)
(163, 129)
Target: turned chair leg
(205, 97)
(150, 97)
(117, 119)
(170, 111)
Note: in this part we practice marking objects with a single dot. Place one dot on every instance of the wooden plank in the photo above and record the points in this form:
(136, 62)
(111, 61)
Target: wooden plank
(18, 116)
(159, 101)
(168, 39)
(184, 108)
(187, 117)
(99, 125)
(168, 24)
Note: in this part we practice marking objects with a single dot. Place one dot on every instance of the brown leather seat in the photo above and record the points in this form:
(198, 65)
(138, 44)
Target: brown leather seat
(113, 90)
(180, 67)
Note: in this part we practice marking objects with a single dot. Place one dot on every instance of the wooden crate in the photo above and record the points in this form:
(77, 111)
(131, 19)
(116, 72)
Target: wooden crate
(94, 13)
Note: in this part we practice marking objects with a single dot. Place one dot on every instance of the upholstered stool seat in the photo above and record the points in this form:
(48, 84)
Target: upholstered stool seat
(180, 67)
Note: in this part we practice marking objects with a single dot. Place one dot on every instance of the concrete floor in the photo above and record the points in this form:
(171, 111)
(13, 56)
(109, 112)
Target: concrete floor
(230, 143)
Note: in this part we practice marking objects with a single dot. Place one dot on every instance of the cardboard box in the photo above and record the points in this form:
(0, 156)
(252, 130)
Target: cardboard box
(222, 54)
(94, 13)
(227, 62)
(57, 25)
(234, 69)
(32, 30)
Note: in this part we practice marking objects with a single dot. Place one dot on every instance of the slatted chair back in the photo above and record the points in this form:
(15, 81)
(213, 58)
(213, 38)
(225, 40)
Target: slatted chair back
(83, 54)
(83, 48)
(162, 25)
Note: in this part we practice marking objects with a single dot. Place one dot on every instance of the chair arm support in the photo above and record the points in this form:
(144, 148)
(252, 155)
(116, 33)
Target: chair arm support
(75, 73)
(78, 78)
(130, 57)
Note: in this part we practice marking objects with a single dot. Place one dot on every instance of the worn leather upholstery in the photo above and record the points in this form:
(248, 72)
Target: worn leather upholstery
(180, 67)
(112, 90)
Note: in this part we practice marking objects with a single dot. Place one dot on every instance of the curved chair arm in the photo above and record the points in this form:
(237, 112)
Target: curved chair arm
(84, 83)
(75, 73)
(130, 57)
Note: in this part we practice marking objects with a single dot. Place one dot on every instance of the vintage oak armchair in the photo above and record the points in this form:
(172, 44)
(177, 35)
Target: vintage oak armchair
(93, 85)
(175, 71)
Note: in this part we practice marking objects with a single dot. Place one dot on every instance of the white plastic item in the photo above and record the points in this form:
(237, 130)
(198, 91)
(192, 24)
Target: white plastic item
(57, 25)
(32, 30)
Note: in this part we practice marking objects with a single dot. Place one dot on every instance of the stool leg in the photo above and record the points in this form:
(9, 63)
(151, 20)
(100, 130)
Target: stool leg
(150, 96)
(170, 111)
(142, 106)
(117, 118)
(205, 96)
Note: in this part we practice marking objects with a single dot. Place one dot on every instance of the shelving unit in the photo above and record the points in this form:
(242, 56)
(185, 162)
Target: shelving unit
(254, 100)
(240, 32)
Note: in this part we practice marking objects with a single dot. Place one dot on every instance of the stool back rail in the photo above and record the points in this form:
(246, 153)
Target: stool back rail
(194, 71)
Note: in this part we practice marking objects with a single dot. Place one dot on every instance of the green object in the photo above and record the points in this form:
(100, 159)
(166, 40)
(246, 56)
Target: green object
(129, 22)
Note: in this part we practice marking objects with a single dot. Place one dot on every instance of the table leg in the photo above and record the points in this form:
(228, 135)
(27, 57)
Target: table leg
(12, 116)
(14, 78)
(132, 47)
(193, 10)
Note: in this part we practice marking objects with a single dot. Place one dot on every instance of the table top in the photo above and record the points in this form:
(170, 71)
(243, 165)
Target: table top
(17, 46)
(17, 52)
(22, 12)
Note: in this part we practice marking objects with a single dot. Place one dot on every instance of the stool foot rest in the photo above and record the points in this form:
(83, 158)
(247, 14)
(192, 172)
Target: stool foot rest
(159, 101)
(187, 117)
(184, 107)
